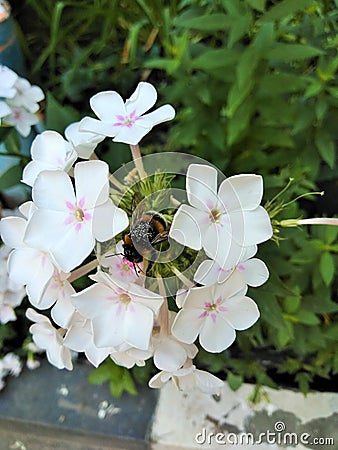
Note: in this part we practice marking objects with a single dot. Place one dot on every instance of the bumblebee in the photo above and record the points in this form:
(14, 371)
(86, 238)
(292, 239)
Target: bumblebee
(148, 230)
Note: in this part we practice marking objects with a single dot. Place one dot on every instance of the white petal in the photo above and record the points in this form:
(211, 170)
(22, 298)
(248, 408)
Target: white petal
(241, 312)
(142, 99)
(50, 147)
(83, 142)
(52, 190)
(156, 381)
(92, 300)
(98, 127)
(169, 356)
(187, 325)
(241, 192)
(91, 181)
(138, 325)
(209, 272)
(257, 226)
(188, 226)
(108, 221)
(107, 105)
(25, 264)
(32, 170)
(254, 272)
(233, 285)
(12, 231)
(216, 336)
(161, 114)
(208, 383)
(108, 329)
(45, 228)
(71, 249)
(201, 185)
(132, 135)
(63, 310)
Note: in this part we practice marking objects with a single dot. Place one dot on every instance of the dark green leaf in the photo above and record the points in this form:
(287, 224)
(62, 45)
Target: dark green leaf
(257, 4)
(327, 267)
(292, 52)
(58, 117)
(285, 8)
(326, 147)
(234, 381)
(208, 22)
(11, 177)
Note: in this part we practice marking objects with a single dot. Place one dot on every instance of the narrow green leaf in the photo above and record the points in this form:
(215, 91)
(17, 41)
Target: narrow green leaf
(239, 121)
(292, 52)
(307, 317)
(207, 22)
(291, 304)
(215, 58)
(303, 379)
(327, 267)
(101, 374)
(285, 8)
(257, 4)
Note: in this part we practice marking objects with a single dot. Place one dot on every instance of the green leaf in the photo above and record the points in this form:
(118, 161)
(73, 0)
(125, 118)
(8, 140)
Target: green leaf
(102, 373)
(11, 177)
(215, 59)
(207, 22)
(241, 27)
(116, 388)
(327, 267)
(257, 4)
(239, 122)
(303, 379)
(307, 317)
(247, 66)
(58, 117)
(128, 383)
(234, 381)
(292, 52)
(326, 147)
(285, 8)
(291, 304)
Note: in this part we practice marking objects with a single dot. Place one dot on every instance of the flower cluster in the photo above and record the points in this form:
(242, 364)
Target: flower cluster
(123, 314)
(19, 101)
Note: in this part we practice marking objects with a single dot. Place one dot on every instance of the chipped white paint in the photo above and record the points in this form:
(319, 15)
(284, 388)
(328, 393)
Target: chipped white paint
(180, 417)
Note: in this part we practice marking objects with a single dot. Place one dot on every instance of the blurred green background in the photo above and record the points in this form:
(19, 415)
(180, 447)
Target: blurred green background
(254, 84)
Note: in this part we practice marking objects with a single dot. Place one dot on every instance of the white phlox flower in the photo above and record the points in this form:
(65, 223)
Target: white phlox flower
(214, 313)
(49, 339)
(84, 143)
(127, 356)
(79, 337)
(21, 119)
(7, 80)
(67, 223)
(11, 293)
(221, 221)
(120, 312)
(11, 364)
(188, 378)
(29, 266)
(126, 122)
(170, 354)
(49, 151)
(253, 271)
(27, 96)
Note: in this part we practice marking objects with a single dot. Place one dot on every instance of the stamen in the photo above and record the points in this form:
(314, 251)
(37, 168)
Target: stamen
(125, 298)
(79, 215)
(215, 215)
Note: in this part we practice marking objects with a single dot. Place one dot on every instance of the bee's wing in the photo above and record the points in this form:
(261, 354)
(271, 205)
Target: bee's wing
(160, 237)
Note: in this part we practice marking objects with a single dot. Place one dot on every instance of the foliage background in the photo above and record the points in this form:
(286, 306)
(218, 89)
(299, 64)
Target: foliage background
(254, 83)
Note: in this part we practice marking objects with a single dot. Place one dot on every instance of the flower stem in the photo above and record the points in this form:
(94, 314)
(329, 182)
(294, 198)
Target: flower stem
(164, 311)
(136, 154)
(78, 273)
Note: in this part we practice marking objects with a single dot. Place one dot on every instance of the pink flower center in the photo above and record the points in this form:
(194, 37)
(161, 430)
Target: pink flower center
(78, 215)
(212, 309)
(126, 121)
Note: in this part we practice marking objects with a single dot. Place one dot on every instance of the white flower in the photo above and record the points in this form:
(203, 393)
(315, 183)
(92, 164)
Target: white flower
(187, 379)
(49, 151)
(27, 96)
(127, 356)
(221, 222)
(214, 313)
(126, 122)
(84, 143)
(79, 338)
(5, 110)
(11, 363)
(120, 312)
(50, 339)
(21, 119)
(11, 293)
(7, 81)
(28, 266)
(67, 223)
(252, 270)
